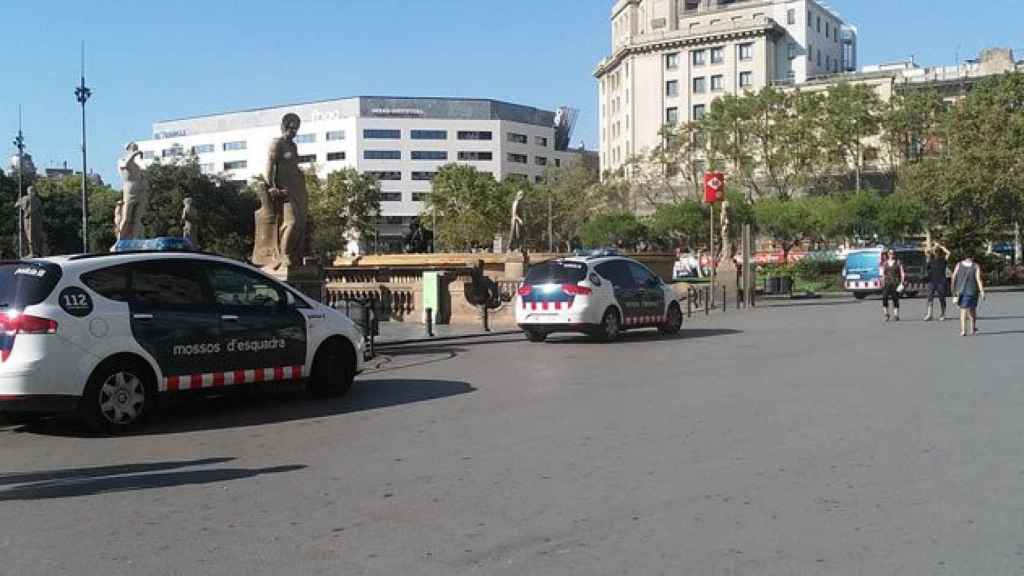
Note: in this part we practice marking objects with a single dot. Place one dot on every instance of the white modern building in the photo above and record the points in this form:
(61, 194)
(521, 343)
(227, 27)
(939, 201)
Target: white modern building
(672, 58)
(401, 141)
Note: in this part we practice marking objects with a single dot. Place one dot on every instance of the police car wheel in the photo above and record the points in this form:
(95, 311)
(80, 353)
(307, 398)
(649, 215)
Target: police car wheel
(535, 335)
(860, 296)
(332, 371)
(611, 326)
(673, 321)
(119, 397)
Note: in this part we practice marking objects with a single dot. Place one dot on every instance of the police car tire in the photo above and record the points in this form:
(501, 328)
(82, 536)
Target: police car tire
(89, 409)
(535, 336)
(860, 296)
(333, 371)
(610, 320)
(673, 320)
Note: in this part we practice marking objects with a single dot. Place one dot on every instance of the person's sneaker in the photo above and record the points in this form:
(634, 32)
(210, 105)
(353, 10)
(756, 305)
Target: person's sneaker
(928, 318)
(896, 317)
(942, 318)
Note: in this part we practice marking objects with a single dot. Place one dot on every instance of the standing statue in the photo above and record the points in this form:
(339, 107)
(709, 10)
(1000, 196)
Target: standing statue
(516, 235)
(287, 185)
(188, 217)
(32, 224)
(118, 221)
(266, 251)
(727, 248)
(134, 196)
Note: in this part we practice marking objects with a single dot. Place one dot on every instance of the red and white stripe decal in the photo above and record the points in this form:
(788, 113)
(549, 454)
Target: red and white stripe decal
(643, 320)
(220, 379)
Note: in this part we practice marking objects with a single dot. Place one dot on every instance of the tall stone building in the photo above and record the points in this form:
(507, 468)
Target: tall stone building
(671, 58)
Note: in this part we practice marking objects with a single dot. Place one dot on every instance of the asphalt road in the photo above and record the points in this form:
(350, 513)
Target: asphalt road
(807, 439)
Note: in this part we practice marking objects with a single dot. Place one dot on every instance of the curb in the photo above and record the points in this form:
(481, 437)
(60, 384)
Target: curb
(392, 344)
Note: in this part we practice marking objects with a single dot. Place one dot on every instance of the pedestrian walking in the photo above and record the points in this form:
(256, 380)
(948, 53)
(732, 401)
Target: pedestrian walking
(893, 279)
(938, 281)
(968, 287)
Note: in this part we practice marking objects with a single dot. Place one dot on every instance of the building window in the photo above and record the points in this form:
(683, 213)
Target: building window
(716, 83)
(172, 152)
(746, 51)
(698, 112)
(698, 57)
(239, 145)
(538, 179)
(382, 154)
(828, 62)
(558, 163)
(540, 161)
(717, 55)
(476, 156)
(672, 116)
(148, 155)
(672, 88)
(700, 85)
(517, 138)
(791, 16)
(746, 79)
(307, 159)
(236, 165)
(518, 158)
(871, 154)
(385, 175)
(203, 149)
(420, 196)
(828, 30)
(472, 135)
(540, 141)
(424, 176)
(335, 135)
(382, 134)
(429, 135)
(810, 22)
(390, 196)
(206, 169)
(819, 24)
(429, 155)
(672, 61)
(819, 56)
(335, 156)
(305, 139)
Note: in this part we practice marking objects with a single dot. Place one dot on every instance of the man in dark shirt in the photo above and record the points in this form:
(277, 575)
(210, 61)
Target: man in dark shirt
(938, 285)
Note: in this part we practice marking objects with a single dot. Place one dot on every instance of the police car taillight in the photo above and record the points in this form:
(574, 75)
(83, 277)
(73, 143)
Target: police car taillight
(576, 290)
(525, 290)
(13, 323)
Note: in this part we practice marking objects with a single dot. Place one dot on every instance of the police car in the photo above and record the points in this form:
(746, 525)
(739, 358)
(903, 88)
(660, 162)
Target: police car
(107, 334)
(602, 295)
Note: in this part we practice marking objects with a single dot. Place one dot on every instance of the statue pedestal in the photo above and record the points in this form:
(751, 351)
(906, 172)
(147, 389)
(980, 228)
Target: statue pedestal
(306, 279)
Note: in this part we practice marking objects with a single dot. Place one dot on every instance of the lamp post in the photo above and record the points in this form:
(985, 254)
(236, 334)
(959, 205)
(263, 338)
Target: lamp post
(82, 94)
(19, 143)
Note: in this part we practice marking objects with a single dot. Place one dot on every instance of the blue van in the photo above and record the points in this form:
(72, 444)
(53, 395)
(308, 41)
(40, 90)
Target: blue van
(862, 274)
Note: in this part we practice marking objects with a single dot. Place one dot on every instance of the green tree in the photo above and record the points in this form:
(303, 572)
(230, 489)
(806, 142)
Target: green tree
(908, 121)
(854, 115)
(346, 201)
(566, 197)
(61, 200)
(788, 222)
(683, 222)
(621, 230)
(469, 207)
(900, 217)
(674, 170)
(225, 223)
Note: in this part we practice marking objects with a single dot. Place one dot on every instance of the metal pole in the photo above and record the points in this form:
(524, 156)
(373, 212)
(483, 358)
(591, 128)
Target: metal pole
(430, 322)
(82, 94)
(19, 142)
(487, 320)
(711, 247)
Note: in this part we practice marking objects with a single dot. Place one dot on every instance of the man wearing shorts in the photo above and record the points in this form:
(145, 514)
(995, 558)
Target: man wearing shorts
(968, 287)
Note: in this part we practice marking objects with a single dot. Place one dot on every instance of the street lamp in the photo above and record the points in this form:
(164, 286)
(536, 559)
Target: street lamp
(19, 143)
(82, 94)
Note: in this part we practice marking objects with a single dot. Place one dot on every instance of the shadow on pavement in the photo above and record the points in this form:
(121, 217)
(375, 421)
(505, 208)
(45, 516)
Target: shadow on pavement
(1000, 333)
(238, 409)
(128, 478)
(645, 336)
(811, 303)
(99, 471)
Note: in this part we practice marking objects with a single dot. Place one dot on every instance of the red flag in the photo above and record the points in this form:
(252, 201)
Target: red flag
(714, 187)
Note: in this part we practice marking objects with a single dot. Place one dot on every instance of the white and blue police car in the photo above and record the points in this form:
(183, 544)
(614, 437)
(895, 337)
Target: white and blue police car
(107, 335)
(602, 294)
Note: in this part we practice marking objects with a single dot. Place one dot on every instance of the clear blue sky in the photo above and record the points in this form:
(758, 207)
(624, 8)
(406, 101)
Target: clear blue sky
(154, 60)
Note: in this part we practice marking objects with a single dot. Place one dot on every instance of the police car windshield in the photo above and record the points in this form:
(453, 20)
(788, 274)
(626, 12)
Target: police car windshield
(557, 272)
(26, 283)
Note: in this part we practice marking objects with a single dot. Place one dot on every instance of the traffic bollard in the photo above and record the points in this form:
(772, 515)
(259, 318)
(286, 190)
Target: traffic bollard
(430, 323)
(487, 320)
(707, 301)
(725, 299)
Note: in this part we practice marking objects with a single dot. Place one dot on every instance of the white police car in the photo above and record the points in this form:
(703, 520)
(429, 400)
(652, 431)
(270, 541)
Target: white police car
(107, 334)
(601, 295)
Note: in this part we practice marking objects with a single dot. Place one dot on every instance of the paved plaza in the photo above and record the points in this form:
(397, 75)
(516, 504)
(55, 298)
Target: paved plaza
(800, 438)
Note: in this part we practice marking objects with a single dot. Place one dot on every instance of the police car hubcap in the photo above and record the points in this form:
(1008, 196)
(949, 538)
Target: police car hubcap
(122, 398)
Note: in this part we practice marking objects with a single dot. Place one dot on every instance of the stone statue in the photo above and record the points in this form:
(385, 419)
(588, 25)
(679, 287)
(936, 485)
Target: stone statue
(287, 185)
(516, 240)
(134, 194)
(353, 247)
(418, 240)
(266, 251)
(32, 224)
(188, 217)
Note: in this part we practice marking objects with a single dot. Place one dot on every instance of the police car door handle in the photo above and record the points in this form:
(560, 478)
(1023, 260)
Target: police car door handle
(143, 316)
(229, 318)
